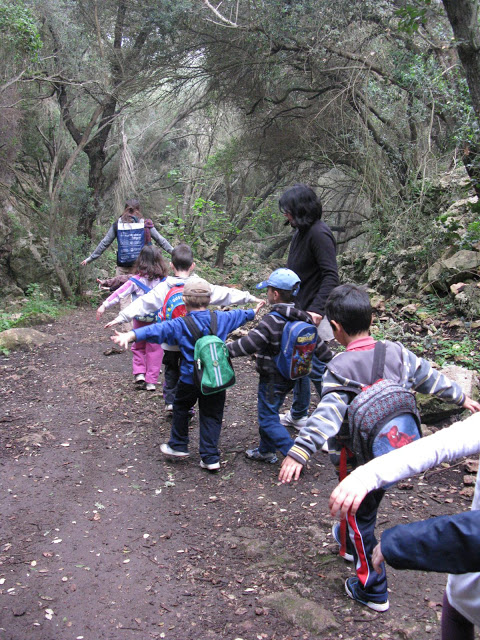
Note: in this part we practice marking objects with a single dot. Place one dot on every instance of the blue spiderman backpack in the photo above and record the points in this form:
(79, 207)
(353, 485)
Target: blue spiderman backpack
(299, 340)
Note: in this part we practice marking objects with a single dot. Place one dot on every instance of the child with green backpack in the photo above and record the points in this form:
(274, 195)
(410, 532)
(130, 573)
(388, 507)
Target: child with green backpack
(211, 396)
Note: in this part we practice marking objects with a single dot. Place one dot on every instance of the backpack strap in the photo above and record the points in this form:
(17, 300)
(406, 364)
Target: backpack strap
(213, 323)
(195, 330)
(193, 327)
(378, 366)
(140, 284)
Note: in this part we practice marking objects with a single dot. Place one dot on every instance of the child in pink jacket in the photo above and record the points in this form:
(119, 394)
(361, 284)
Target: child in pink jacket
(150, 270)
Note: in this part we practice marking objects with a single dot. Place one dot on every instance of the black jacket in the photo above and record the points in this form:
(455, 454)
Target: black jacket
(312, 256)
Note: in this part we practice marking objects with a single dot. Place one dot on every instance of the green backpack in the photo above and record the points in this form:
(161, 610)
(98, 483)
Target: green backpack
(212, 367)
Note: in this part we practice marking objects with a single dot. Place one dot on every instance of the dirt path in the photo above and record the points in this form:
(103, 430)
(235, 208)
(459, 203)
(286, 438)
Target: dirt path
(102, 538)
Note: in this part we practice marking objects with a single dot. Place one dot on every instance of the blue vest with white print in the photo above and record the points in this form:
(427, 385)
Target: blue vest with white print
(131, 239)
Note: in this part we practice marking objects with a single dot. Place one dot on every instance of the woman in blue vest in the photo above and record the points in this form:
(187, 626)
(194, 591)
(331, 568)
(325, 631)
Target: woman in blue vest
(132, 232)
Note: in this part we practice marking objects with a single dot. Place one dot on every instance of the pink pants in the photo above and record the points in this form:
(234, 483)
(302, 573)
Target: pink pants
(147, 356)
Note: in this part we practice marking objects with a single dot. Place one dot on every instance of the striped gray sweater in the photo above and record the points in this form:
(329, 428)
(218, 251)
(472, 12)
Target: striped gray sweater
(353, 368)
(266, 337)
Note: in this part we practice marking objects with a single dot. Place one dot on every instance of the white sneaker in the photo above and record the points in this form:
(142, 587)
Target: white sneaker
(140, 377)
(168, 451)
(169, 408)
(150, 386)
(212, 466)
(287, 420)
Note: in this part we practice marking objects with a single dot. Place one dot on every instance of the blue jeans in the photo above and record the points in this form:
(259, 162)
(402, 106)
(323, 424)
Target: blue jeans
(273, 435)
(210, 415)
(301, 391)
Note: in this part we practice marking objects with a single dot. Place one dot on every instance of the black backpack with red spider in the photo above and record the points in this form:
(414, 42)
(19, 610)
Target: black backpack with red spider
(382, 416)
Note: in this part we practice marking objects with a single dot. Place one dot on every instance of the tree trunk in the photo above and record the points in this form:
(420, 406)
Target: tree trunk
(220, 259)
(463, 16)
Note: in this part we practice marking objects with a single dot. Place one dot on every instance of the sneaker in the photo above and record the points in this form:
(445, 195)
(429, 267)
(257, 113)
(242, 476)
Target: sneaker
(168, 451)
(150, 386)
(169, 408)
(336, 535)
(210, 466)
(140, 381)
(287, 421)
(254, 454)
(355, 591)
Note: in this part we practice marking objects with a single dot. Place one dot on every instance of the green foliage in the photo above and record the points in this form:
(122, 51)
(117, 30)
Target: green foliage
(18, 28)
(411, 16)
(471, 238)
(36, 303)
(463, 352)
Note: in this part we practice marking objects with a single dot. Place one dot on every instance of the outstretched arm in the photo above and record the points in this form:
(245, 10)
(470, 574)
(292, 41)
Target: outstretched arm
(459, 440)
(123, 339)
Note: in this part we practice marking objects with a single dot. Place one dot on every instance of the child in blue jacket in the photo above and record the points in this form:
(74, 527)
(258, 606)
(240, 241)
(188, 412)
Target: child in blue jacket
(196, 296)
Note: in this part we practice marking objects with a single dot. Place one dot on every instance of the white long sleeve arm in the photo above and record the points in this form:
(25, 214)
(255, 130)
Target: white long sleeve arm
(459, 440)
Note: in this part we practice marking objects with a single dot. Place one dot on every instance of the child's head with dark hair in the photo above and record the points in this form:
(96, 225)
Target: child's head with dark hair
(284, 295)
(182, 257)
(349, 306)
(301, 205)
(150, 263)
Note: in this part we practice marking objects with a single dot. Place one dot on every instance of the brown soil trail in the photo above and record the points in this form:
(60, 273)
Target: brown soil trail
(103, 538)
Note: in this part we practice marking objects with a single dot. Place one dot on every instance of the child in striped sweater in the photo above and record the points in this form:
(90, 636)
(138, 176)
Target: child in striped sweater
(265, 340)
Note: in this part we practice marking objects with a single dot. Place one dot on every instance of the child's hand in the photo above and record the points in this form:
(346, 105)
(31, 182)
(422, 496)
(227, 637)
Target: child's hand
(259, 306)
(100, 311)
(471, 405)
(122, 339)
(112, 323)
(377, 558)
(84, 262)
(290, 470)
(316, 317)
(102, 285)
(347, 496)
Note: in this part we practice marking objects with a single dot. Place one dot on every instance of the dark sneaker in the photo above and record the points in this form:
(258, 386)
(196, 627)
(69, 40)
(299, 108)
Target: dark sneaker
(168, 451)
(336, 534)
(254, 454)
(355, 591)
(210, 466)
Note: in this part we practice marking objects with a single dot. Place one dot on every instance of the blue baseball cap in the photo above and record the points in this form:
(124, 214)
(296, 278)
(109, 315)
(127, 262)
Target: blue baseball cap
(282, 279)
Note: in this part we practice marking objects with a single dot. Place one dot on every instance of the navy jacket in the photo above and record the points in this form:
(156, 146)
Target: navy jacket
(447, 544)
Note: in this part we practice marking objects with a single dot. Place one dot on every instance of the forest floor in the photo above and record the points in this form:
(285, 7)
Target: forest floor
(104, 538)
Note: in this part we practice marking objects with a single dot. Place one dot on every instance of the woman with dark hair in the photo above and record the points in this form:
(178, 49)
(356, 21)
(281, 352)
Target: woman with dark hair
(132, 232)
(312, 256)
